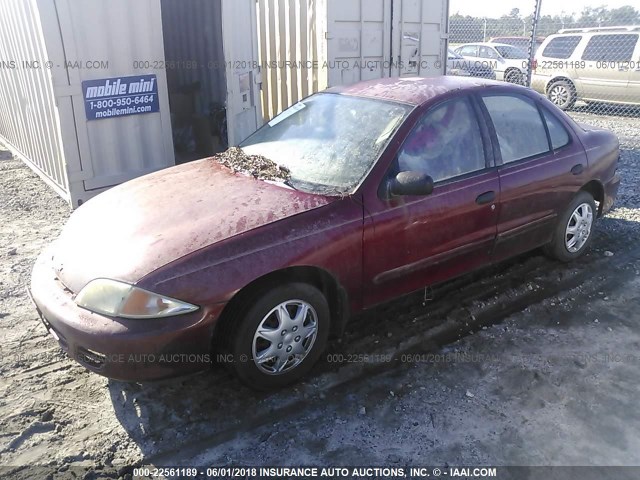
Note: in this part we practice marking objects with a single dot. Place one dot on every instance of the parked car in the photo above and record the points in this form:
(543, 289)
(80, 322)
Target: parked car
(509, 63)
(589, 64)
(519, 42)
(457, 65)
(396, 184)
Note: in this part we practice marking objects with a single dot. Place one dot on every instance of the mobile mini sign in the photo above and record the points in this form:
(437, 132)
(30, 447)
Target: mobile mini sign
(121, 96)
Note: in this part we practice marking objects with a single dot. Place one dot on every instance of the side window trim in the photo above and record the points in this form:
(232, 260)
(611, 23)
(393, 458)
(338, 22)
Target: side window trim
(494, 134)
(546, 126)
(542, 110)
(485, 131)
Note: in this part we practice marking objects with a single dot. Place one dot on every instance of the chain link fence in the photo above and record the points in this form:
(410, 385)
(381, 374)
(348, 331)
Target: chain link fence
(586, 62)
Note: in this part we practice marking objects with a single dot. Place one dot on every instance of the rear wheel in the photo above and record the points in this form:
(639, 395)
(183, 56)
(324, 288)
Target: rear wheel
(562, 94)
(574, 232)
(281, 335)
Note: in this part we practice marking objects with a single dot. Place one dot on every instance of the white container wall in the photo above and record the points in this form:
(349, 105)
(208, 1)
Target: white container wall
(291, 31)
(29, 121)
(56, 46)
(125, 39)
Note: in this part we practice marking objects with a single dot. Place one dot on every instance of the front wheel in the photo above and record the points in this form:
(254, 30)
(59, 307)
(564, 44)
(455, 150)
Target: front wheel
(281, 336)
(574, 232)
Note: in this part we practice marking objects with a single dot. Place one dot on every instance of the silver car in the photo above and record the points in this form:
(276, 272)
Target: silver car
(589, 64)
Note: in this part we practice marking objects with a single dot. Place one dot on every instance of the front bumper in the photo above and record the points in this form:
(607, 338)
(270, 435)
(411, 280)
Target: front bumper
(128, 350)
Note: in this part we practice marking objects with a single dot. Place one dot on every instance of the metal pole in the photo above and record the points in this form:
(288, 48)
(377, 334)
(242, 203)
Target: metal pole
(484, 35)
(532, 40)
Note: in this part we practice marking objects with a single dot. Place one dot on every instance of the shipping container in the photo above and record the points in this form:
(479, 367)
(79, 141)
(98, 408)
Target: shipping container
(338, 42)
(97, 92)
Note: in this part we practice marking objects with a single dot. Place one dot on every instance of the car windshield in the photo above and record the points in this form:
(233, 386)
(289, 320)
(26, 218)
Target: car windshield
(328, 142)
(507, 51)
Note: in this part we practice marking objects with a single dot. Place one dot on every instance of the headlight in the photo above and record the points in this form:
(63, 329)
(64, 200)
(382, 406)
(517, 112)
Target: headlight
(118, 299)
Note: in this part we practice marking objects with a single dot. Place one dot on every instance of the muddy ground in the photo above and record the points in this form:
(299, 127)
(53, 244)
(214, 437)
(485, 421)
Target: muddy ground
(530, 362)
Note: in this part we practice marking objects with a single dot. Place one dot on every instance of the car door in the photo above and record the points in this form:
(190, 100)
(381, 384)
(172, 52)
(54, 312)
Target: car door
(492, 59)
(605, 75)
(633, 69)
(541, 167)
(414, 241)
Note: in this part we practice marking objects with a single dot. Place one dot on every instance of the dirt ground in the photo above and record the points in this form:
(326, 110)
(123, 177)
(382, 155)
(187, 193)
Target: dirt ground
(530, 362)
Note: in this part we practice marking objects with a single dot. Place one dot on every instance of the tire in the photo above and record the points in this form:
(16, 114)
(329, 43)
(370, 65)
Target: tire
(514, 76)
(562, 94)
(580, 217)
(287, 348)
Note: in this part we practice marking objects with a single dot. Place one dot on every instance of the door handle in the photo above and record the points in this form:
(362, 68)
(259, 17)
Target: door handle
(578, 169)
(485, 198)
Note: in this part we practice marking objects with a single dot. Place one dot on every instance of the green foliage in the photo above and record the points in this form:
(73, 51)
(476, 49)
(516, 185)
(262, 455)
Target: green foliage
(465, 28)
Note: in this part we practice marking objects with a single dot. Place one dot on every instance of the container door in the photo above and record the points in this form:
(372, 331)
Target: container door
(358, 40)
(240, 38)
(106, 79)
(419, 37)
(369, 39)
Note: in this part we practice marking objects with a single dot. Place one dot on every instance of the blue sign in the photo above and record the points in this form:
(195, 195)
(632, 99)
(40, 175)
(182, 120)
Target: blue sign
(120, 96)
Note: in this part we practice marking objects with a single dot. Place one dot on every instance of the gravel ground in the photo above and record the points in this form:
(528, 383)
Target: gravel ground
(527, 363)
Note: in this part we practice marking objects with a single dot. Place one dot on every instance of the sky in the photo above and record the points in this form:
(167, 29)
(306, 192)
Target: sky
(497, 8)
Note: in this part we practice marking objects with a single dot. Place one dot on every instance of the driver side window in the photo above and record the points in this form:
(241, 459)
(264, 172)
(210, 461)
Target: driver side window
(445, 143)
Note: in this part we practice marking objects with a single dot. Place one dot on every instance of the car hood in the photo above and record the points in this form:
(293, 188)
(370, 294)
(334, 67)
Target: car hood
(136, 228)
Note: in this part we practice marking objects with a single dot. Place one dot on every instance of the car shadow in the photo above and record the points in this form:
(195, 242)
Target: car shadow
(212, 407)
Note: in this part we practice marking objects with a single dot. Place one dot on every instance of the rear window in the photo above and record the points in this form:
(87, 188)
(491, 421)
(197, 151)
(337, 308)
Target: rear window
(561, 47)
(610, 48)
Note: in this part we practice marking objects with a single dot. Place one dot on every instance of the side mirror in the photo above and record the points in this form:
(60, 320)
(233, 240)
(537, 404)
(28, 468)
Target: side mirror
(410, 184)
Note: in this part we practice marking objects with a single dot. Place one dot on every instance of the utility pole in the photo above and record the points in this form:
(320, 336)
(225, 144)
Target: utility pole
(532, 40)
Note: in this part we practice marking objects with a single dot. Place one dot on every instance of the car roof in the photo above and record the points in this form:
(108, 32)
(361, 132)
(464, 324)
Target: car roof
(538, 39)
(413, 90)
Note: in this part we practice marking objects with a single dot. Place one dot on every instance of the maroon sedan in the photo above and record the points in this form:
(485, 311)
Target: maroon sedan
(394, 185)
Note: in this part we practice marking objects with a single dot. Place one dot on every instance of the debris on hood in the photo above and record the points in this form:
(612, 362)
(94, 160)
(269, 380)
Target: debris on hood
(254, 165)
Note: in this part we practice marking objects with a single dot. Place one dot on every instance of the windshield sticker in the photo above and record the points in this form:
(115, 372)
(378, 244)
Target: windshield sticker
(286, 114)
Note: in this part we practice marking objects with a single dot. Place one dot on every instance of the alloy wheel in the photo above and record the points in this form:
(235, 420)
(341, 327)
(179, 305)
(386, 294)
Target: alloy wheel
(579, 228)
(559, 95)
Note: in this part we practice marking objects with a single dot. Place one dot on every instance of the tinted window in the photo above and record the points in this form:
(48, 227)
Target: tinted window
(561, 47)
(445, 143)
(521, 133)
(559, 135)
(610, 48)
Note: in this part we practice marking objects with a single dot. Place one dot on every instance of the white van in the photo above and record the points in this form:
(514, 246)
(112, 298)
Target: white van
(590, 64)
